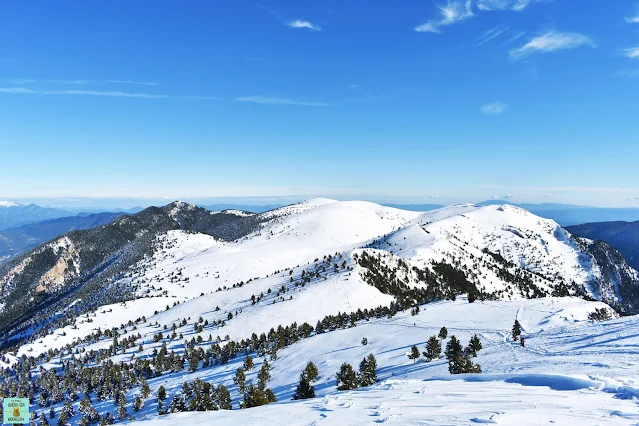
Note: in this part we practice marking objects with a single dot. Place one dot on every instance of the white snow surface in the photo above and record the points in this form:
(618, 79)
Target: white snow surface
(572, 371)
(9, 204)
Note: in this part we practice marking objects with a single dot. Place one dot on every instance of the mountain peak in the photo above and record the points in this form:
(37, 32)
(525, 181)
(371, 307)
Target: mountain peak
(9, 204)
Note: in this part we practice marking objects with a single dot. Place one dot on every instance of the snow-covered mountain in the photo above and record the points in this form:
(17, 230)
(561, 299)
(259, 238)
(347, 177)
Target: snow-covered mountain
(14, 214)
(313, 279)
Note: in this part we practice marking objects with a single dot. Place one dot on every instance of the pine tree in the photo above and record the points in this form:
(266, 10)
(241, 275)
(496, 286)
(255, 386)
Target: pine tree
(453, 349)
(145, 390)
(310, 371)
(414, 354)
(368, 371)
(516, 332)
(240, 379)
(52, 413)
(474, 345)
(346, 377)
(223, 398)
(161, 393)
(138, 403)
(248, 363)
(122, 413)
(304, 389)
(177, 404)
(364, 341)
(433, 348)
(255, 397)
(264, 375)
(43, 420)
(63, 420)
(443, 332)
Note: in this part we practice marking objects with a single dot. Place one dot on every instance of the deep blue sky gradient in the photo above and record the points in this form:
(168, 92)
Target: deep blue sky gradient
(239, 103)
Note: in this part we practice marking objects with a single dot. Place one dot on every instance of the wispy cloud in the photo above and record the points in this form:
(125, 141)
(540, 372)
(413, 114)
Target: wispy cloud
(453, 11)
(354, 86)
(280, 101)
(503, 197)
(489, 35)
(551, 42)
(110, 93)
(632, 52)
(303, 23)
(22, 81)
(84, 82)
(634, 18)
(517, 5)
(494, 108)
(515, 37)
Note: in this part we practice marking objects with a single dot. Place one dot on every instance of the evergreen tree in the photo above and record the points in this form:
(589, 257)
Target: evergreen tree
(368, 371)
(138, 403)
(240, 379)
(223, 398)
(43, 420)
(63, 420)
(364, 341)
(453, 349)
(304, 389)
(52, 413)
(264, 375)
(433, 348)
(414, 354)
(145, 390)
(310, 371)
(255, 397)
(443, 333)
(248, 363)
(161, 393)
(177, 404)
(122, 413)
(474, 345)
(346, 377)
(516, 331)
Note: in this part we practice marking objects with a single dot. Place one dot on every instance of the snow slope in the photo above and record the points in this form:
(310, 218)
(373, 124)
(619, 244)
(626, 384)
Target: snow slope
(572, 371)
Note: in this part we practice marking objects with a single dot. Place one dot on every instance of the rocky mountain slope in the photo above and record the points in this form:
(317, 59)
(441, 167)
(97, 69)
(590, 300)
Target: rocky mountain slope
(87, 264)
(16, 240)
(624, 236)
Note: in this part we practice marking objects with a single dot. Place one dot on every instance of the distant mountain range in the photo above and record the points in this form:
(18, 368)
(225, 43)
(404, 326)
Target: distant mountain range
(569, 214)
(14, 241)
(624, 236)
(13, 214)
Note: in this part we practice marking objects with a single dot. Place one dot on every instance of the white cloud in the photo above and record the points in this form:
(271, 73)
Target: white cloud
(22, 90)
(550, 42)
(489, 35)
(454, 11)
(632, 52)
(279, 101)
(495, 108)
(517, 5)
(303, 23)
(634, 18)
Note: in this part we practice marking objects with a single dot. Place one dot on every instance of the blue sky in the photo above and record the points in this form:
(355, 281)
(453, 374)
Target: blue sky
(412, 101)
